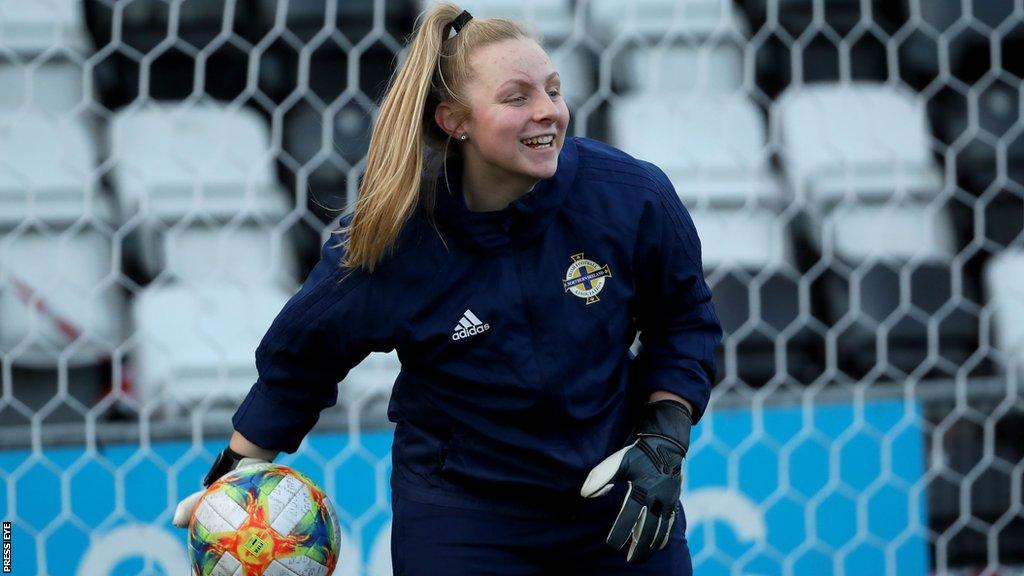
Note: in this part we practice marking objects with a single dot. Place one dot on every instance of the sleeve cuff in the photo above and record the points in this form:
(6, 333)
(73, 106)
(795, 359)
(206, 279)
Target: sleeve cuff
(688, 383)
(270, 423)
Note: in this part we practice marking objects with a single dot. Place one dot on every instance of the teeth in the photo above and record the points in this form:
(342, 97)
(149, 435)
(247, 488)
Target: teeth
(539, 140)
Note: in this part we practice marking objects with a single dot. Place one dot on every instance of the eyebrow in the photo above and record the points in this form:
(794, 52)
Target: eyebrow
(521, 81)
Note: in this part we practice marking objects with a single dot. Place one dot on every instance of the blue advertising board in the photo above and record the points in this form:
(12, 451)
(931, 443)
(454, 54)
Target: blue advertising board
(816, 490)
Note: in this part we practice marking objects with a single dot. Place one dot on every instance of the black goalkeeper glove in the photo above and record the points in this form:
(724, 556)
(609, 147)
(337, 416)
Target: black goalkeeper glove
(227, 461)
(653, 468)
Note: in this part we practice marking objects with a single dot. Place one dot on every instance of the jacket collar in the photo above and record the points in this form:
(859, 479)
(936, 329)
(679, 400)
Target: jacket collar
(521, 222)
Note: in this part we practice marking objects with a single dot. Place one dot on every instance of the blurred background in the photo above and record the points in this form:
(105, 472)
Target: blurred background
(855, 169)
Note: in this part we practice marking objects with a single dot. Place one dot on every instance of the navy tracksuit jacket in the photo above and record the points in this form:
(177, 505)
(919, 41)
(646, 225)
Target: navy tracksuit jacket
(513, 329)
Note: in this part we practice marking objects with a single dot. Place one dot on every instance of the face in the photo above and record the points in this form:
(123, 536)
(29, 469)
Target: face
(515, 96)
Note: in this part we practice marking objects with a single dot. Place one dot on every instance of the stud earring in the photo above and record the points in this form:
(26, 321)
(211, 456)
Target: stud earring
(463, 137)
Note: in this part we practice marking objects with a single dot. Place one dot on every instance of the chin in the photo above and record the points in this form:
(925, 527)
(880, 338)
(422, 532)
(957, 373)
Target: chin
(541, 170)
(546, 172)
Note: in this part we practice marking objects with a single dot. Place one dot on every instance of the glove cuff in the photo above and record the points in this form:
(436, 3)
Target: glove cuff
(668, 419)
(226, 461)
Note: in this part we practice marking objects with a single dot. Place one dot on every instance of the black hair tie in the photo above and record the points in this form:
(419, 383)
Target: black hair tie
(461, 20)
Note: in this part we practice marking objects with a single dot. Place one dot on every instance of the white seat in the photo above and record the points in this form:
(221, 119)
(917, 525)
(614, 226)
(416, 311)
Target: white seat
(175, 162)
(177, 159)
(199, 342)
(34, 26)
(901, 231)
(684, 45)
(59, 298)
(553, 19)
(859, 141)
(706, 67)
(47, 170)
(1005, 292)
(53, 86)
(245, 254)
(713, 149)
(748, 239)
(680, 19)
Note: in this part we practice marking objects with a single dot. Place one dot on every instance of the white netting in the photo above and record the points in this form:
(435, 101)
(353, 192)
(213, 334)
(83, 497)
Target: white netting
(855, 168)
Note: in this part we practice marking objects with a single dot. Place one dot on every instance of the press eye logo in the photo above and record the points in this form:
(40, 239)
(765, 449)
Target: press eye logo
(7, 547)
(585, 278)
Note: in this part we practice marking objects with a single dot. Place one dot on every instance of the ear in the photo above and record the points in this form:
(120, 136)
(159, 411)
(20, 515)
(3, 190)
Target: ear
(446, 118)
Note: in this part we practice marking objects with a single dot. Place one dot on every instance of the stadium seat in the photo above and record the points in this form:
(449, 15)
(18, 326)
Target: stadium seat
(713, 67)
(553, 18)
(244, 254)
(714, 150)
(52, 210)
(179, 165)
(858, 159)
(53, 86)
(658, 18)
(1003, 276)
(750, 266)
(894, 277)
(906, 231)
(672, 46)
(34, 26)
(742, 238)
(196, 344)
(860, 141)
(50, 313)
(47, 171)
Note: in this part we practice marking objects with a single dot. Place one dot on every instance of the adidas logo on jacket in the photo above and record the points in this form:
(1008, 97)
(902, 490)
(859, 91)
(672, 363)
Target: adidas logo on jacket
(469, 325)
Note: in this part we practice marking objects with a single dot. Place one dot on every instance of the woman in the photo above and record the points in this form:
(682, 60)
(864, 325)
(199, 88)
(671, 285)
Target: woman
(511, 269)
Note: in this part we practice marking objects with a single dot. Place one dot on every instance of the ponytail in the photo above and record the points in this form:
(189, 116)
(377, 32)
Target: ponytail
(436, 69)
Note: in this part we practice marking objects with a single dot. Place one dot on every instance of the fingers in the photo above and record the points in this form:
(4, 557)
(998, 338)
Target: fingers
(183, 513)
(644, 534)
(661, 539)
(630, 513)
(599, 481)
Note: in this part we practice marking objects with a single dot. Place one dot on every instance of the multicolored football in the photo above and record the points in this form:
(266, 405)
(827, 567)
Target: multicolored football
(263, 520)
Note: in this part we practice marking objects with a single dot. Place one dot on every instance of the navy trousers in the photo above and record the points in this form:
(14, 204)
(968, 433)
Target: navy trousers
(435, 540)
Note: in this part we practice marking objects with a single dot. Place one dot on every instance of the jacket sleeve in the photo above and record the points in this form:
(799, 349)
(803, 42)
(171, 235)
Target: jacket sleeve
(330, 325)
(679, 329)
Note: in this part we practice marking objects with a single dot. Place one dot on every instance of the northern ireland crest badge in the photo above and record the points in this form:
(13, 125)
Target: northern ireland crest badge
(585, 278)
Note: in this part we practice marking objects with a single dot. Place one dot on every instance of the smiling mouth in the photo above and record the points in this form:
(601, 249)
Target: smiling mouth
(540, 142)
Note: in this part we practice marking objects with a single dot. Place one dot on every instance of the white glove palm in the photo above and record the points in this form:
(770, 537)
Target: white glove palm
(183, 513)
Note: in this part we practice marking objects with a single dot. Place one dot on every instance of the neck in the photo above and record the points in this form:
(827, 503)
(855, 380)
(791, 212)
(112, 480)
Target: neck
(489, 192)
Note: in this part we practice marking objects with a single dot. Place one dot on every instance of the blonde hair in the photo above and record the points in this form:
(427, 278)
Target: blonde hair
(436, 69)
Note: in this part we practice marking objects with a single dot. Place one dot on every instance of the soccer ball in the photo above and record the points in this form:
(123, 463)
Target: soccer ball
(263, 519)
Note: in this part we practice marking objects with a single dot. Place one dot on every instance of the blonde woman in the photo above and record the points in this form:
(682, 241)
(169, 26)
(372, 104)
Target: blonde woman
(511, 268)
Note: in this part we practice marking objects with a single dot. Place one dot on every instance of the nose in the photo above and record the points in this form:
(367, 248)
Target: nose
(545, 111)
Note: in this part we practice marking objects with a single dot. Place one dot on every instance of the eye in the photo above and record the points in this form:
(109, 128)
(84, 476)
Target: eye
(554, 93)
(517, 99)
